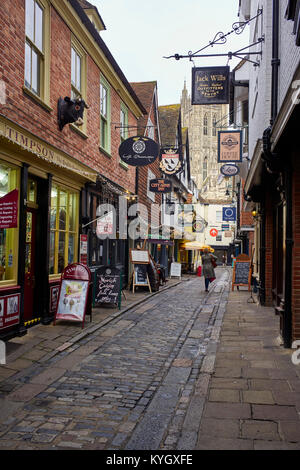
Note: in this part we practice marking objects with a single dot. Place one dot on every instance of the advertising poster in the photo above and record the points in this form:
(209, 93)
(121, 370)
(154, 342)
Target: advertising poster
(9, 210)
(72, 300)
(9, 311)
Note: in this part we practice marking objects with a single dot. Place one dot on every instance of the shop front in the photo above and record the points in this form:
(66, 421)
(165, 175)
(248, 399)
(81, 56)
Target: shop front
(46, 185)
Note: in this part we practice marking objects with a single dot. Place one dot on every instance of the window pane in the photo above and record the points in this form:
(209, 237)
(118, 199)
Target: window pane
(72, 212)
(52, 253)
(71, 249)
(8, 237)
(103, 133)
(103, 101)
(78, 72)
(53, 208)
(61, 251)
(27, 65)
(38, 26)
(62, 210)
(30, 19)
(73, 68)
(35, 73)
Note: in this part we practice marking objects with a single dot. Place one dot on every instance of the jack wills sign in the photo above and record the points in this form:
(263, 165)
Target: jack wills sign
(210, 85)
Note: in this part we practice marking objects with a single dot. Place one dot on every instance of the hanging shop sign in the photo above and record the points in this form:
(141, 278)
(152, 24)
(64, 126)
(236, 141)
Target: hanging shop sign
(108, 286)
(170, 161)
(229, 214)
(160, 185)
(230, 146)
(74, 294)
(9, 210)
(139, 151)
(229, 169)
(210, 85)
(105, 224)
(9, 311)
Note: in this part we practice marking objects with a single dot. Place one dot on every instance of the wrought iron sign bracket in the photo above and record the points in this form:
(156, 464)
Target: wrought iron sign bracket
(221, 38)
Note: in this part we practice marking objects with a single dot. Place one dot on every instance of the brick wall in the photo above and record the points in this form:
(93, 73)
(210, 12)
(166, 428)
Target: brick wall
(32, 116)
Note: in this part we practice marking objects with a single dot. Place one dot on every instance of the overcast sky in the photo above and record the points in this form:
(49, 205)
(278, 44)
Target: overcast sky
(140, 32)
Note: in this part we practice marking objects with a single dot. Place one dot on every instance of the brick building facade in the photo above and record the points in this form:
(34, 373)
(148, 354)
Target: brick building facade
(52, 49)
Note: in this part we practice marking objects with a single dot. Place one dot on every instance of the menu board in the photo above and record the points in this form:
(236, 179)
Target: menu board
(140, 275)
(108, 286)
(72, 300)
(139, 256)
(175, 270)
(242, 272)
(9, 311)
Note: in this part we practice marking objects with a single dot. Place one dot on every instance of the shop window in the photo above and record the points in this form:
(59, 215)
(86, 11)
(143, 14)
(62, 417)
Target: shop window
(104, 116)
(37, 49)
(9, 180)
(63, 229)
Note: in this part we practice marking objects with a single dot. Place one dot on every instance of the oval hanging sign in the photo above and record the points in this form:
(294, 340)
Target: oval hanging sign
(139, 151)
(160, 185)
(229, 169)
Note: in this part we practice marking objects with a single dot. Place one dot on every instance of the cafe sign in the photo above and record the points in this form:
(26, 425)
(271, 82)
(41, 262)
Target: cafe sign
(160, 185)
(138, 151)
(230, 146)
(210, 85)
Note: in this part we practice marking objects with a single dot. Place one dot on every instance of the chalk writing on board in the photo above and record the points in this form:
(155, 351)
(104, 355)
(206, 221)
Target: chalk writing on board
(107, 285)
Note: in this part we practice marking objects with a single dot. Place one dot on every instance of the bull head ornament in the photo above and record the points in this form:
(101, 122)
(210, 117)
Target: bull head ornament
(70, 111)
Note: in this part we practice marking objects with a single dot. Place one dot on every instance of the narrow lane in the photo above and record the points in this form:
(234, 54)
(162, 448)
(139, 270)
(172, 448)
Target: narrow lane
(132, 384)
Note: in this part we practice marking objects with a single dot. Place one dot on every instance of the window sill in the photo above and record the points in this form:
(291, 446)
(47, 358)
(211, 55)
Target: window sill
(123, 165)
(78, 131)
(37, 99)
(105, 152)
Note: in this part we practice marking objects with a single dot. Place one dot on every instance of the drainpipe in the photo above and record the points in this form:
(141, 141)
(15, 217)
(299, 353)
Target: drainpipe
(287, 315)
(275, 61)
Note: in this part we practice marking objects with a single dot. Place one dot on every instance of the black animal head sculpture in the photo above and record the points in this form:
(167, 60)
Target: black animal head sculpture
(70, 111)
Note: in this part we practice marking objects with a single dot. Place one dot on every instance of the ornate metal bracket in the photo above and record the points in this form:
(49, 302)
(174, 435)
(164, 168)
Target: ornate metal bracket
(221, 38)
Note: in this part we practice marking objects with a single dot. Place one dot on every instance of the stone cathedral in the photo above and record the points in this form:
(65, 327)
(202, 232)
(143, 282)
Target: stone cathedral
(203, 122)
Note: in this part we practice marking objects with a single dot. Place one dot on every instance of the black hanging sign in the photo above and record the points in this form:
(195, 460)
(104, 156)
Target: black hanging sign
(170, 161)
(108, 286)
(139, 151)
(210, 85)
(160, 185)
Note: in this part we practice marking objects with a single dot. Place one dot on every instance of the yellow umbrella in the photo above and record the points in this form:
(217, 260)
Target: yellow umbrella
(197, 246)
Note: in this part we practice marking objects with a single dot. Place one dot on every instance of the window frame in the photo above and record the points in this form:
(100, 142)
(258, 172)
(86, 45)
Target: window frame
(67, 230)
(79, 50)
(105, 120)
(205, 124)
(43, 96)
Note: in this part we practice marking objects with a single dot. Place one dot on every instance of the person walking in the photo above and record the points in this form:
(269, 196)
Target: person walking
(208, 265)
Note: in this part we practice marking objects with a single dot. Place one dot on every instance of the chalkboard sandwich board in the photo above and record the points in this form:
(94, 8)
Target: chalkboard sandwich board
(242, 272)
(140, 276)
(108, 286)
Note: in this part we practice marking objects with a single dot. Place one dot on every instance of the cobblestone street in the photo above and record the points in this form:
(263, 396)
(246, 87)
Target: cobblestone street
(132, 384)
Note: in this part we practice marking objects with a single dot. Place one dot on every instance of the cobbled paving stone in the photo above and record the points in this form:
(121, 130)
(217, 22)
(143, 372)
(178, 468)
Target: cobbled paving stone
(135, 389)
